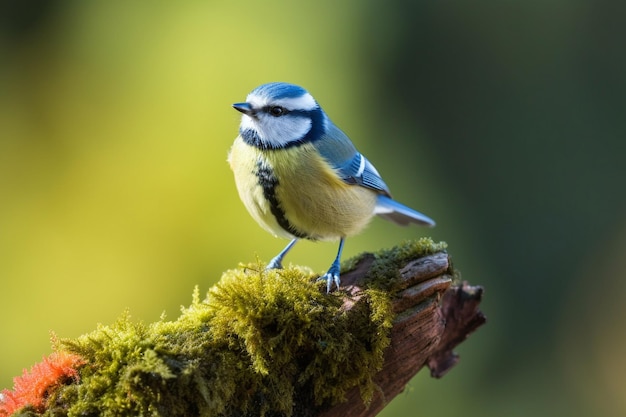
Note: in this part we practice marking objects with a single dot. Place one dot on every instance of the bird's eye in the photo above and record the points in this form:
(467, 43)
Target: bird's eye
(277, 111)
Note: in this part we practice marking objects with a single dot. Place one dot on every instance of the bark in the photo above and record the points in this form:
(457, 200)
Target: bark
(433, 317)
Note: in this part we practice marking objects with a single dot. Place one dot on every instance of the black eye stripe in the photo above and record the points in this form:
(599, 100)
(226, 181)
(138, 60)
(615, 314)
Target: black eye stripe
(275, 111)
(285, 111)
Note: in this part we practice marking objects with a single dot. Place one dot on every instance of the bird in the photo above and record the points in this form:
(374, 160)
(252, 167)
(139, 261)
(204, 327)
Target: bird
(301, 177)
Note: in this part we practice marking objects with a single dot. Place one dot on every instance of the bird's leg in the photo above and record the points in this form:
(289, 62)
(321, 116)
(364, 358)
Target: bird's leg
(277, 261)
(332, 275)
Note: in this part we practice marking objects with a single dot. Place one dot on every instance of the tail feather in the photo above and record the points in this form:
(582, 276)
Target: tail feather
(399, 213)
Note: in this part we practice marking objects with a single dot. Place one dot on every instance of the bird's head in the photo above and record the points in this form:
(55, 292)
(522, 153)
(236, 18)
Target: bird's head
(279, 115)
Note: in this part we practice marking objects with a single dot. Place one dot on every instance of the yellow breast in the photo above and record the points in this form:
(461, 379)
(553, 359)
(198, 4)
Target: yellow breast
(293, 192)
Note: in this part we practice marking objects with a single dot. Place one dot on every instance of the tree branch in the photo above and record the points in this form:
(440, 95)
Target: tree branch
(268, 343)
(433, 317)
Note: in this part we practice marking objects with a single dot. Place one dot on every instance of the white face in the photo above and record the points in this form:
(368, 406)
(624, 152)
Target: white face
(279, 130)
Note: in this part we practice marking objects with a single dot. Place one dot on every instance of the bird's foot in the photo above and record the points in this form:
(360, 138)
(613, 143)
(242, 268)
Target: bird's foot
(275, 263)
(332, 275)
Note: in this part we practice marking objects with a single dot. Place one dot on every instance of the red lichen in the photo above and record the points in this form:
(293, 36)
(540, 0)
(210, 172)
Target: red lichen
(33, 386)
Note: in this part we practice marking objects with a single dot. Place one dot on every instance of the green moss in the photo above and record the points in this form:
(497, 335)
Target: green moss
(266, 343)
(383, 273)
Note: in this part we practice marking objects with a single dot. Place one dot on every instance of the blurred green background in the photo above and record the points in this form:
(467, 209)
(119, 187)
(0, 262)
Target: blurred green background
(505, 121)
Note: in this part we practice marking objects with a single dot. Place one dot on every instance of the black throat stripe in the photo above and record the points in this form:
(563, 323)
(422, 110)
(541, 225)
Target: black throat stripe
(252, 138)
(268, 181)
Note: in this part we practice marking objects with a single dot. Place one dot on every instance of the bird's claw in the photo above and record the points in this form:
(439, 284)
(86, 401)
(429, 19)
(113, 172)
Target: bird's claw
(332, 275)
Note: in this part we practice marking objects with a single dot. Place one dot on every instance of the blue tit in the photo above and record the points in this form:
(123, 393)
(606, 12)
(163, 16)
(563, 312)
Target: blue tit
(300, 176)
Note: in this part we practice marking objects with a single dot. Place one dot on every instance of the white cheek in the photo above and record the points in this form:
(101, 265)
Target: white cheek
(282, 130)
(277, 131)
(247, 122)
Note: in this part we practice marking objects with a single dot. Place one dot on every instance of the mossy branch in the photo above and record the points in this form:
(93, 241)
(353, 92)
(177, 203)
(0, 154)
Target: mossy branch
(434, 313)
(269, 343)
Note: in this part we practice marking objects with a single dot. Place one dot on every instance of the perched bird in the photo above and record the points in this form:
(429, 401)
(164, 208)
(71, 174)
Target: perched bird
(300, 177)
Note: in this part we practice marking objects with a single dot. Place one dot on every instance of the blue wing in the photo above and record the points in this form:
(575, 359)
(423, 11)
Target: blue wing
(353, 167)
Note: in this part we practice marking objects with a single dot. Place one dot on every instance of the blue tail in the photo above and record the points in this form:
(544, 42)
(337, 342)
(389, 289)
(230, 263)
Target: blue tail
(398, 213)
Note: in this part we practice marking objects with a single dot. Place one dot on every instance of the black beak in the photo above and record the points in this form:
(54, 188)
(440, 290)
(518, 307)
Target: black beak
(245, 108)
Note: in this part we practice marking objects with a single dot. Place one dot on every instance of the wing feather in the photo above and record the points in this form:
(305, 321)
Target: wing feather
(353, 167)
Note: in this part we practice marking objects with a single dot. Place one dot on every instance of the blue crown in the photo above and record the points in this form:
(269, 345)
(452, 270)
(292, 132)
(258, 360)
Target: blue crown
(279, 90)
